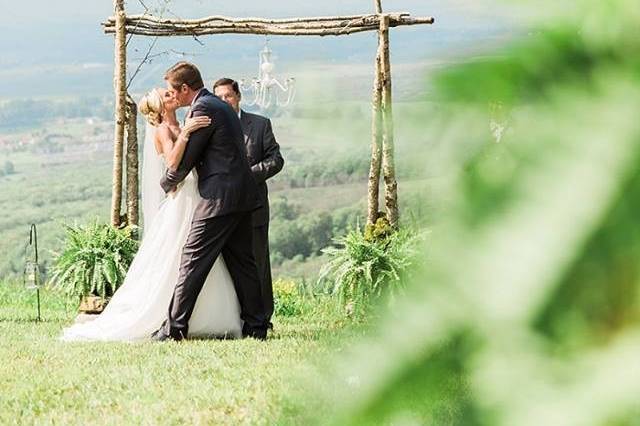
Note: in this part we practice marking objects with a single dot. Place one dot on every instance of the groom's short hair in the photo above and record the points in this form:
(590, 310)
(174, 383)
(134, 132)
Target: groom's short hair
(184, 73)
(227, 82)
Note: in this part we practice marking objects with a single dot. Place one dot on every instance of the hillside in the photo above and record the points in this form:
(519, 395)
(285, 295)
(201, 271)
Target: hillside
(61, 173)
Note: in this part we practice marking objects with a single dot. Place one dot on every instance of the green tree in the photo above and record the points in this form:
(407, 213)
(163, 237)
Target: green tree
(288, 239)
(318, 229)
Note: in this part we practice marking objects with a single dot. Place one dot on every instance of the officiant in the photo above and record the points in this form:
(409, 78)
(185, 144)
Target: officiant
(266, 161)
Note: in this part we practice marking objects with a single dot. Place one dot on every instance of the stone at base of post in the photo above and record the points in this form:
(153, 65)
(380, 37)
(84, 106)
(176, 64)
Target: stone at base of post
(92, 305)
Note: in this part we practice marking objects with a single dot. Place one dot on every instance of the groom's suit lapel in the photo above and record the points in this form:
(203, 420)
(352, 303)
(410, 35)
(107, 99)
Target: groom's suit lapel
(190, 110)
(247, 127)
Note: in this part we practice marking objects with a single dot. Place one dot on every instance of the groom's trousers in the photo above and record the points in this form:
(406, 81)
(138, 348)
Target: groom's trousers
(232, 236)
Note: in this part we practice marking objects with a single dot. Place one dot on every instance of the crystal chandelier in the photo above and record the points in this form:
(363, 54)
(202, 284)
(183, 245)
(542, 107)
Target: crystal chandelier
(266, 92)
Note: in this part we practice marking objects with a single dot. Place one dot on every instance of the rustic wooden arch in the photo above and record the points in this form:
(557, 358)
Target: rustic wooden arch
(382, 145)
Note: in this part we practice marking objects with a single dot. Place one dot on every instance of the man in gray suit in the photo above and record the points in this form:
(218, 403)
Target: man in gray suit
(263, 153)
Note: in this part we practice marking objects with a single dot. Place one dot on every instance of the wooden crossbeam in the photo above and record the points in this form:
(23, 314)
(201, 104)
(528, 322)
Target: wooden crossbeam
(148, 25)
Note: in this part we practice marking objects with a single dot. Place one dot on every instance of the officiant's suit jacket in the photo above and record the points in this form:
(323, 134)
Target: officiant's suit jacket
(264, 156)
(218, 154)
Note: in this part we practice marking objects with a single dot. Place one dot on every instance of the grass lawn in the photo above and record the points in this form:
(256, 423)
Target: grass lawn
(46, 381)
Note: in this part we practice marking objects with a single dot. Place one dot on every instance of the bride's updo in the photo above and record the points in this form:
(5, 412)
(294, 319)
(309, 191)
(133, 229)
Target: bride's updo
(151, 107)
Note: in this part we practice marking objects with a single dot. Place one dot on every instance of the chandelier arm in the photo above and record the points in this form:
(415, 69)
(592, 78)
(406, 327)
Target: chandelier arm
(291, 92)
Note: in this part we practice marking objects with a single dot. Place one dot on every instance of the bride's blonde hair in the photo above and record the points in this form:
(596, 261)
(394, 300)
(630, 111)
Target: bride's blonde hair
(152, 107)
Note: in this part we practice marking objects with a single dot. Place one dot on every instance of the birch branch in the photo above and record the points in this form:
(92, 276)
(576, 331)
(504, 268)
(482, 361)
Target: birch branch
(319, 26)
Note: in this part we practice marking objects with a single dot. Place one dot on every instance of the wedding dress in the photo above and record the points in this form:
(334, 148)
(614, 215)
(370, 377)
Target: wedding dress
(141, 304)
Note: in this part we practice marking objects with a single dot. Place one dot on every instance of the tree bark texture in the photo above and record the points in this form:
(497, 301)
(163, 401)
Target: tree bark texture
(120, 113)
(376, 141)
(388, 159)
(132, 163)
(316, 26)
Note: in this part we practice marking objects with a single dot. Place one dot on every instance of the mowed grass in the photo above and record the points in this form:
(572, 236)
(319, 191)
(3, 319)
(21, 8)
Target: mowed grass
(43, 380)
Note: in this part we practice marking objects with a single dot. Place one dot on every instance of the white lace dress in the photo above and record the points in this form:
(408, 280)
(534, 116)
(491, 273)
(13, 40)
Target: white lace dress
(141, 304)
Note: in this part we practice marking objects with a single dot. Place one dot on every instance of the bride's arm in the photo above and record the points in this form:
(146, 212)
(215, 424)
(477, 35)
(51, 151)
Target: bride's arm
(173, 151)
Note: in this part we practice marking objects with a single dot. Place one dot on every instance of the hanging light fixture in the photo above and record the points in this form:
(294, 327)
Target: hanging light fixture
(31, 276)
(266, 91)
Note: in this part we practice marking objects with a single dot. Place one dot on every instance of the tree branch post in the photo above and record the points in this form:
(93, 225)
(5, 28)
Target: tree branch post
(120, 83)
(388, 160)
(373, 193)
(132, 162)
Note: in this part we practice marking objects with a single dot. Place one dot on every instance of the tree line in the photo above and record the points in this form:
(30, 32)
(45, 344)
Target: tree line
(30, 112)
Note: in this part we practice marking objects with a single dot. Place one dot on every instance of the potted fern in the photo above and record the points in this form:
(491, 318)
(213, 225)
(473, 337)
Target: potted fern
(93, 263)
(364, 267)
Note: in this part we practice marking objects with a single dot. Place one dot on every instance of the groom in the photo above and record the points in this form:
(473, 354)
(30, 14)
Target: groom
(222, 220)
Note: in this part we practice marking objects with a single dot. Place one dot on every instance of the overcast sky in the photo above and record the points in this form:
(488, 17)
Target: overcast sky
(43, 42)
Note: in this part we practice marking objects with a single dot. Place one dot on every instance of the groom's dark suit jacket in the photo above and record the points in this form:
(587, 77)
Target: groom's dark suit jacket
(218, 154)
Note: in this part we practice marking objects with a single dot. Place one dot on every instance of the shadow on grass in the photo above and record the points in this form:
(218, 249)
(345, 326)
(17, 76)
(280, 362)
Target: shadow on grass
(305, 332)
(207, 338)
(30, 320)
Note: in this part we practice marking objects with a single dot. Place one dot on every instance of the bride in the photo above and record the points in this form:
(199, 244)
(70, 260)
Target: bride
(140, 305)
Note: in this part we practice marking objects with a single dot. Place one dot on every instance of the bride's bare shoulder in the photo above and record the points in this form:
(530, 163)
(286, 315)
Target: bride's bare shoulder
(163, 130)
(164, 138)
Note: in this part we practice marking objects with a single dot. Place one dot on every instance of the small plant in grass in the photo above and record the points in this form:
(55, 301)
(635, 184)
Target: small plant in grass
(364, 267)
(287, 298)
(94, 260)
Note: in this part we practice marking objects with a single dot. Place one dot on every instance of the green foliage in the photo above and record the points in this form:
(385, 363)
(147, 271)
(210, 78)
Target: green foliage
(326, 171)
(434, 387)
(362, 269)
(294, 234)
(378, 231)
(94, 260)
(599, 295)
(47, 196)
(334, 167)
(287, 298)
(533, 270)
(280, 208)
(288, 241)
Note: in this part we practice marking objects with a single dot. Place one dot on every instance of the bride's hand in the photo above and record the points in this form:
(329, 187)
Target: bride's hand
(194, 123)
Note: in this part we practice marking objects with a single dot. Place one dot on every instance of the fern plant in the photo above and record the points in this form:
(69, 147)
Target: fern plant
(364, 267)
(94, 260)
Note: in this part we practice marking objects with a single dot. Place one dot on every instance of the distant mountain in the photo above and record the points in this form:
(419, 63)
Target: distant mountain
(58, 49)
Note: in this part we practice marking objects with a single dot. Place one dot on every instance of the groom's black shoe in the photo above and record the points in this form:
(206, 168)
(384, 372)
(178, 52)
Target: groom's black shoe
(256, 333)
(160, 335)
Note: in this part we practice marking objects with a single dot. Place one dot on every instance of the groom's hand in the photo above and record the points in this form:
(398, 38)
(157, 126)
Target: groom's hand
(198, 140)
(175, 190)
